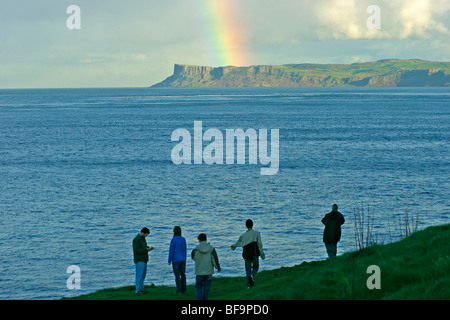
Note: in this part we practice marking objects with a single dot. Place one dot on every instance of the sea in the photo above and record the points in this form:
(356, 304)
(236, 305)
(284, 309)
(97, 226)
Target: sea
(82, 171)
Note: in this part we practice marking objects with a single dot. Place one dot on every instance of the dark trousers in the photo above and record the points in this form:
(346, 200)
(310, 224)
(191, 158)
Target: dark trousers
(251, 268)
(331, 249)
(179, 270)
(202, 285)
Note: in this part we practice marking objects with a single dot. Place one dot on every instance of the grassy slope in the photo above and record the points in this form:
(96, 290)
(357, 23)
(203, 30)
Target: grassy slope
(415, 268)
(366, 69)
(325, 74)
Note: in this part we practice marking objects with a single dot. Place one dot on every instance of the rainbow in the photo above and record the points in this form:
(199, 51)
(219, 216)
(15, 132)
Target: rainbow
(225, 40)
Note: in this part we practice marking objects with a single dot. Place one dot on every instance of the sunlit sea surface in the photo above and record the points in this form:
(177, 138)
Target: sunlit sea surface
(83, 170)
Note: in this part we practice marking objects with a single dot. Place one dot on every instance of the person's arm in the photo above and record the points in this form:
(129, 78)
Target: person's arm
(324, 219)
(185, 249)
(260, 247)
(237, 244)
(216, 260)
(193, 254)
(171, 251)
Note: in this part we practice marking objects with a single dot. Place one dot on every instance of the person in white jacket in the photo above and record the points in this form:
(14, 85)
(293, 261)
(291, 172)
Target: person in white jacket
(206, 259)
(251, 242)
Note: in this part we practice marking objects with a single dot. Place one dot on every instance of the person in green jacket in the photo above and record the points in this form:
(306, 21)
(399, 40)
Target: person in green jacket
(140, 254)
(332, 232)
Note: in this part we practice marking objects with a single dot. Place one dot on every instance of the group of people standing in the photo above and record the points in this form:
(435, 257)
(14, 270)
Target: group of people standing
(204, 255)
(206, 258)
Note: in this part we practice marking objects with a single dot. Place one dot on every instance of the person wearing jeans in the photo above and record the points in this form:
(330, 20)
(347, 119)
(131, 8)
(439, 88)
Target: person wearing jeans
(253, 248)
(140, 256)
(177, 257)
(251, 268)
(202, 285)
(206, 259)
(141, 272)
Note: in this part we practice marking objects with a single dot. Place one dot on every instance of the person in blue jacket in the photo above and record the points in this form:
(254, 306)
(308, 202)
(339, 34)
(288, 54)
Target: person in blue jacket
(177, 257)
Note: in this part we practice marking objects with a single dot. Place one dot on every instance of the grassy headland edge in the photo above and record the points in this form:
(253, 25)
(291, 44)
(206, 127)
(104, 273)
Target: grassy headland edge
(414, 268)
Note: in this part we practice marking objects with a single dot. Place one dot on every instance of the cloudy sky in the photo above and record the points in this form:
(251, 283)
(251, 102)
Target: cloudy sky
(135, 43)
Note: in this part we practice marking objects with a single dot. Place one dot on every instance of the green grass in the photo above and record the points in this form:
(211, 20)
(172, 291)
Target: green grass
(368, 68)
(416, 267)
(387, 72)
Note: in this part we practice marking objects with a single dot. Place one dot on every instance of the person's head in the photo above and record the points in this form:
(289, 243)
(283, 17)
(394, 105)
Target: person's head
(201, 237)
(334, 207)
(144, 232)
(249, 224)
(177, 231)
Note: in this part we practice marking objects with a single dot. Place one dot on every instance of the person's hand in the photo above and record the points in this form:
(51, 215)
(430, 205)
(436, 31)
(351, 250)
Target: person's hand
(233, 247)
(150, 249)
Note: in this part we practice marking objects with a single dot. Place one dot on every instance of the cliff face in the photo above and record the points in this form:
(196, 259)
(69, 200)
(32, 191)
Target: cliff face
(391, 73)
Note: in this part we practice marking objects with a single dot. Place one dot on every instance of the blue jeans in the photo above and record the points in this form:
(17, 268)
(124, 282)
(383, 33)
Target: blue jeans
(251, 268)
(179, 270)
(141, 272)
(205, 283)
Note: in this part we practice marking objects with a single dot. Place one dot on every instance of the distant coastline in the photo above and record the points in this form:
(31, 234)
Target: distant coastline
(381, 73)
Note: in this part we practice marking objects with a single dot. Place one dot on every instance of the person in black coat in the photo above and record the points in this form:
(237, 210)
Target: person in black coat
(332, 232)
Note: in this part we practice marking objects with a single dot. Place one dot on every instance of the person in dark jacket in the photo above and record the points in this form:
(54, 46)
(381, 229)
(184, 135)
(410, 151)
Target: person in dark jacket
(332, 232)
(140, 256)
